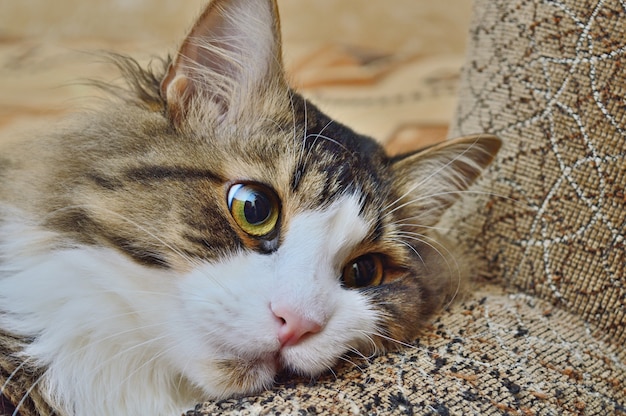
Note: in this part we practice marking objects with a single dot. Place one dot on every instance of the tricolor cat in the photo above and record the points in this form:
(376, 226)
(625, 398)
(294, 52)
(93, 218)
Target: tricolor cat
(210, 228)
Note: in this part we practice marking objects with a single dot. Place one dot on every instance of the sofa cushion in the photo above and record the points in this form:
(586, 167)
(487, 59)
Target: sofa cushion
(548, 78)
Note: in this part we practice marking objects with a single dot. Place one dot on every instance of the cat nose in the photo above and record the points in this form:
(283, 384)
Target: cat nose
(294, 327)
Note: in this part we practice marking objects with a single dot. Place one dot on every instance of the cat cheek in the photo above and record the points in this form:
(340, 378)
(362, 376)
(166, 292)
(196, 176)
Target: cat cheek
(405, 307)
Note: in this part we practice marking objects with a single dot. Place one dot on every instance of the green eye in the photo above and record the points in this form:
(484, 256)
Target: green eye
(254, 208)
(363, 271)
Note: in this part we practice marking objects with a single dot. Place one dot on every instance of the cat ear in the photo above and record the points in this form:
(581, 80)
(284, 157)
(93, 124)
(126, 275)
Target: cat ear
(232, 51)
(429, 181)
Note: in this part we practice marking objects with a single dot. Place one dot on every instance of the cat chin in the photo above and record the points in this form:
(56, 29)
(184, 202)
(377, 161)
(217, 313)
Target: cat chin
(237, 376)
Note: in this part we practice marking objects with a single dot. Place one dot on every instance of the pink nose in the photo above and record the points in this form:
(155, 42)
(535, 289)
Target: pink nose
(294, 327)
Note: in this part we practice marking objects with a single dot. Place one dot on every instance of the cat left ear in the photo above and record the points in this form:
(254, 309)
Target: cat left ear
(429, 181)
(232, 51)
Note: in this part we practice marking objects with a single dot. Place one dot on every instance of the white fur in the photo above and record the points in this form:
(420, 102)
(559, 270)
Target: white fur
(122, 339)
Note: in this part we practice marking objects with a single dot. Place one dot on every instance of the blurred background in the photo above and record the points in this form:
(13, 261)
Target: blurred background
(389, 68)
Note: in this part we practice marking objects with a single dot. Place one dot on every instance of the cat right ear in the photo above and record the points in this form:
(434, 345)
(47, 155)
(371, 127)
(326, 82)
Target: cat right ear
(430, 180)
(231, 53)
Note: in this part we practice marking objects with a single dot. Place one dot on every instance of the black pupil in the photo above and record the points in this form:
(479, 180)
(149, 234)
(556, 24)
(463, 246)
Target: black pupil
(257, 208)
(364, 270)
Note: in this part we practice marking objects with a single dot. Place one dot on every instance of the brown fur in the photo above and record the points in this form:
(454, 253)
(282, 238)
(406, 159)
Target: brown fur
(17, 377)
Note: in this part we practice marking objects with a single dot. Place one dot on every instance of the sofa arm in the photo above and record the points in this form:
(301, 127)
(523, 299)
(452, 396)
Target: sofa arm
(548, 77)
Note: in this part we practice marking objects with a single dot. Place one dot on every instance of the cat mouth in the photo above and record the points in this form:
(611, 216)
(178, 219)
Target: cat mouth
(248, 376)
(243, 376)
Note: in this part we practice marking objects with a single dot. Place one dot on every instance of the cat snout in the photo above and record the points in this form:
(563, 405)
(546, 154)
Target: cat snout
(294, 327)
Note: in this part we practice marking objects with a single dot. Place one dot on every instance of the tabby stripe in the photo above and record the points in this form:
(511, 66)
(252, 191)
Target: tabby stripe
(163, 173)
(378, 233)
(138, 254)
(105, 182)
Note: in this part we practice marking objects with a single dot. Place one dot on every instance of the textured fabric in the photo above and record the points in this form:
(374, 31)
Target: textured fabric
(545, 336)
(548, 78)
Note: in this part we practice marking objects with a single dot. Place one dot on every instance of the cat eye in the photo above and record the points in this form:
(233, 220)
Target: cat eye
(254, 207)
(363, 271)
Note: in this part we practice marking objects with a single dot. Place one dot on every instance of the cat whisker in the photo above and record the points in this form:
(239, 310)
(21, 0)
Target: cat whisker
(383, 334)
(448, 255)
(189, 260)
(320, 135)
(292, 106)
(436, 172)
(375, 348)
(13, 373)
(275, 123)
(327, 138)
(121, 353)
(393, 340)
(94, 342)
(358, 354)
(304, 134)
(144, 229)
(26, 395)
(410, 247)
(349, 361)
(427, 197)
(336, 377)
(317, 137)
(136, 370)
(120, 333)
(405, 222)
(455, 192)
(424, 239)
(181, 377)
(141, 292)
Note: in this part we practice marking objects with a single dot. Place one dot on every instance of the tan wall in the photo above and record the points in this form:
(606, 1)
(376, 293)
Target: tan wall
(421, 25)
(325, 42)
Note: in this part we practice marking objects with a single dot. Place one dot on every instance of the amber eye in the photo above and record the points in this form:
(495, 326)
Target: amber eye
(363, 271)
(254, 207)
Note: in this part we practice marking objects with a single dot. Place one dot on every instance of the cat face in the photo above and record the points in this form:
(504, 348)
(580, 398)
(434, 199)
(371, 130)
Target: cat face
(232, 228)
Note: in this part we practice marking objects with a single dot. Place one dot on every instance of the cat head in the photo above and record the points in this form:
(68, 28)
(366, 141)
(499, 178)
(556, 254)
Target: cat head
(270, 236)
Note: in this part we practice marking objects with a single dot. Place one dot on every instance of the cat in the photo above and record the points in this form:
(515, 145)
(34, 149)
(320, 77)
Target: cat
(209, 228)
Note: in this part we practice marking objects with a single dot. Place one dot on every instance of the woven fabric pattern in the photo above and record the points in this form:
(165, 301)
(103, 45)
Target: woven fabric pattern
(548, 77)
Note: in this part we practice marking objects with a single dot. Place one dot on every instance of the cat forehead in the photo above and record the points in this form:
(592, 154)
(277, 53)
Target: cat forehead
(303, 152)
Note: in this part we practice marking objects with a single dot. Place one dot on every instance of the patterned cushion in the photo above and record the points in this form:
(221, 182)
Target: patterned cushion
(549, 78)
(545, 335)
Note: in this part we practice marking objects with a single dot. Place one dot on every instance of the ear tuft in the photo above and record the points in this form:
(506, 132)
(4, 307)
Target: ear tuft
(232, 51)
(429, 181)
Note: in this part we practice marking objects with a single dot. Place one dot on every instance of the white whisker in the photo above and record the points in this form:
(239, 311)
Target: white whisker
(13, 373)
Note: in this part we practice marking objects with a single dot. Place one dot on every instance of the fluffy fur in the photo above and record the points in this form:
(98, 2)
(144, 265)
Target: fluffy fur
(114, 334)
(127, 285)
